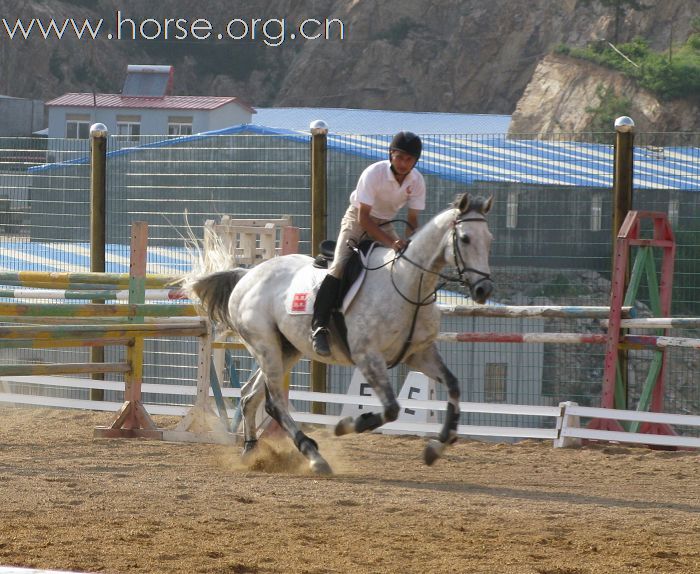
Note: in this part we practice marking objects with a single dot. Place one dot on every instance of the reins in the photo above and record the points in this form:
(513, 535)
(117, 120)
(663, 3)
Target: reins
(462, 268)
(460, 265)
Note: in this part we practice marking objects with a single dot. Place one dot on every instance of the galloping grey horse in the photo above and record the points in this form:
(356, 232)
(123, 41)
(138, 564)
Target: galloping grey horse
(392, 319)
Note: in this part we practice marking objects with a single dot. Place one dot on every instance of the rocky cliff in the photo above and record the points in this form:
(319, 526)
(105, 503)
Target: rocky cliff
(564, 93)
(465, 56)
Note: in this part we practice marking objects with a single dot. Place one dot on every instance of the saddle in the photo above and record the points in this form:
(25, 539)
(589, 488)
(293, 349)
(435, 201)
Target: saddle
(301, 293)
(353, 268)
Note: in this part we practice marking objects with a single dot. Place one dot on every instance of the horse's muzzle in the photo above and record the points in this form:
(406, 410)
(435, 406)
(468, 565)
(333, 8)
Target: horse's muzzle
(481, 290)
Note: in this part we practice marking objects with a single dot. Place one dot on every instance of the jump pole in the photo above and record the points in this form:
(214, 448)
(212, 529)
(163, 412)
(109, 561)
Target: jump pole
(544, 311)
(73, 280)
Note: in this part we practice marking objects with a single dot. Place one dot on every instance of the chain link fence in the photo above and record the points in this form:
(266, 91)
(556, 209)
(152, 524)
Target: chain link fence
(551, 220)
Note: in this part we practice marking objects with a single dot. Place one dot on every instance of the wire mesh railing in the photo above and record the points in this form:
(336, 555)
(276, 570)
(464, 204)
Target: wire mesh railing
(551, 219)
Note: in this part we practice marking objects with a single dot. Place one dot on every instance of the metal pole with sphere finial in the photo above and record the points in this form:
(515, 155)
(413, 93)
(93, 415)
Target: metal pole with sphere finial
(319, 149)
(98, 194)
(623, 171)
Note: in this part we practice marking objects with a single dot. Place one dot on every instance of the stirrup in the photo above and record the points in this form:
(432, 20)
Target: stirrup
(319, 340)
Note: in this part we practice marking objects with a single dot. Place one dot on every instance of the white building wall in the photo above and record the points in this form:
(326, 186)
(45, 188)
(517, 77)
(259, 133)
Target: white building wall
(153, 121)
(229, 115)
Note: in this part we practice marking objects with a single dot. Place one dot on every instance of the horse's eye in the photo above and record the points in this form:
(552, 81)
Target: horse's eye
(464, 239)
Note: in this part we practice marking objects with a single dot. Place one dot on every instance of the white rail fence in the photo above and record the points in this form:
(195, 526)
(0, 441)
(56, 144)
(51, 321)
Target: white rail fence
(564, 428)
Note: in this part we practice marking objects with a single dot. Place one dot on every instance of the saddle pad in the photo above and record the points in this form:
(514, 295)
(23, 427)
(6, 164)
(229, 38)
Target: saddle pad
(304, 286)
(302, 290)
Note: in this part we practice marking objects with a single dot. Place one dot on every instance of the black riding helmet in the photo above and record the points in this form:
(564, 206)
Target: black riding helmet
(407, 142)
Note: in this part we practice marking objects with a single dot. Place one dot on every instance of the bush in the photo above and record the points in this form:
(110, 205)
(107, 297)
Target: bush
(675, 75)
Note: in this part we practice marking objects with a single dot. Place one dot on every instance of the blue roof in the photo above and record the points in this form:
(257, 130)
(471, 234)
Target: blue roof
(479, 157)
(382, 122)
(494, 158)
(75, 257)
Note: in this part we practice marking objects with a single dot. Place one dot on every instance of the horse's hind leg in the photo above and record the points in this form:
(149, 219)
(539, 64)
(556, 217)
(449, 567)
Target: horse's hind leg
(252, 394)
(431, 364)
(275, 405)
(373, 367)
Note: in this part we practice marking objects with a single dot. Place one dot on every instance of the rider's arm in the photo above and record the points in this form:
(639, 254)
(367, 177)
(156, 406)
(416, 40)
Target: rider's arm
(376, 232)
(412, 218)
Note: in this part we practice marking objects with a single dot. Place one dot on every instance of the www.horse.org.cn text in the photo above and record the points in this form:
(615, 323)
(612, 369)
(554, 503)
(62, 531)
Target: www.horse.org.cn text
(268, 31)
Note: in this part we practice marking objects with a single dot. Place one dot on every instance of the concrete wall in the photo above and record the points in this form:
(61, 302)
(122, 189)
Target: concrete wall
(20, 117)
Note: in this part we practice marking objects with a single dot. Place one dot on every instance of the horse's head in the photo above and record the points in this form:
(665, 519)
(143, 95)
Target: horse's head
(471, 244)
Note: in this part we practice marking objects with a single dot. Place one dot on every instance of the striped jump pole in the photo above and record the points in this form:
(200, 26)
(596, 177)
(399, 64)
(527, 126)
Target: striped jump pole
(97, 311)
(533, 338)
(127, 330)
(659, 323)
(55, 280)
(546, 311)
(629, 341)
(90, 294)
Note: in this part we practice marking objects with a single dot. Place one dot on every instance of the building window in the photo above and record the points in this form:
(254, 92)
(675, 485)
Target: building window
(77, 126)
(512, 210)
(179, 126)
(495, 382)
(673, 212)
(129, 126)
(596, 212)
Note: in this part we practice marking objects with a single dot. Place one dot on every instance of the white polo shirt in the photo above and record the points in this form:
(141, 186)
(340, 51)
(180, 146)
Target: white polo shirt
(378, 187)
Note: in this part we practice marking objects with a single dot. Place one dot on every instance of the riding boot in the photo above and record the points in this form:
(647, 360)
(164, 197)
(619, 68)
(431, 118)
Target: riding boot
(326, 301)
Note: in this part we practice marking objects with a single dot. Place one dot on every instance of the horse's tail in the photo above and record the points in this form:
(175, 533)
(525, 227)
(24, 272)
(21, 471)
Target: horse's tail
(214, 290)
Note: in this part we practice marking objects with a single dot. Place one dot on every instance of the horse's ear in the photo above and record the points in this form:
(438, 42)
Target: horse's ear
(487, 205)
(463, 203)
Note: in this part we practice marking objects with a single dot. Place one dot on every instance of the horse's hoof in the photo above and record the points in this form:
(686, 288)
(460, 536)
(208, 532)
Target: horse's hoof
(320, 467)
(249, 448)
(345, 426)
(432, 451)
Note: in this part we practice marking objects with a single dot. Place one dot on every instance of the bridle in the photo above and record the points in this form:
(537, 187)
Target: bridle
(460, 265)
(461, 277)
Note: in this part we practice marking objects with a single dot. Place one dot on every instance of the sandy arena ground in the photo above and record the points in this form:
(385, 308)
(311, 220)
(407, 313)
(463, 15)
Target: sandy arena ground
(121, 506)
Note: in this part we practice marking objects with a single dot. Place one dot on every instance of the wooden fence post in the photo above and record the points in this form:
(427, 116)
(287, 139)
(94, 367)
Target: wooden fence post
(319, 153)
(622, 204)
(98, 185)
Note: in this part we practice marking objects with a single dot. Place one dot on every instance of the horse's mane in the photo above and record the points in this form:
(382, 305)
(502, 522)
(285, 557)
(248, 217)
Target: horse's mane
(476, 203)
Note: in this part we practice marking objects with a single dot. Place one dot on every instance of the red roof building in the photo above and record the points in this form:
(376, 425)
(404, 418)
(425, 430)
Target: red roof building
(145, 107)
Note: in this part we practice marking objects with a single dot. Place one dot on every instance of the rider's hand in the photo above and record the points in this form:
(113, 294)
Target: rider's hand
(399, 245)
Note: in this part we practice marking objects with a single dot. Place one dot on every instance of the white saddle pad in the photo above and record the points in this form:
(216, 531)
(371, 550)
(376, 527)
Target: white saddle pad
(305, 284)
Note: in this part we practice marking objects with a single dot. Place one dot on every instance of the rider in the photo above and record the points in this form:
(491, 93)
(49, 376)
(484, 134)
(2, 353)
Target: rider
(383, 188)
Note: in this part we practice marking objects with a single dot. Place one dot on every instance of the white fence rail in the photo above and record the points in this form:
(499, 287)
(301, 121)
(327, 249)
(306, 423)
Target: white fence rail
(565, 429)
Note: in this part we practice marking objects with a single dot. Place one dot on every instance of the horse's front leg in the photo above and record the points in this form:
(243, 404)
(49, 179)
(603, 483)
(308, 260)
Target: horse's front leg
(373, 367)
(430, 363)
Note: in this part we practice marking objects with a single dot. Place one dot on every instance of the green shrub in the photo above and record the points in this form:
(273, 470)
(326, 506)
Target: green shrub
(675, 75)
